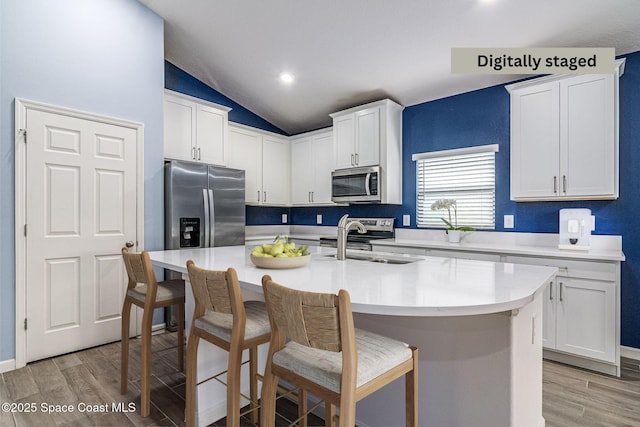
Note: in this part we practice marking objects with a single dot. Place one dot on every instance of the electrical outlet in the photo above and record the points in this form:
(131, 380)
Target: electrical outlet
(319, 219)
(406, 220)
(508, 221)
(284, 218)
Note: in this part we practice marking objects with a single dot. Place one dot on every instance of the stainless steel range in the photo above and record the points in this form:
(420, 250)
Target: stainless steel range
(377, 228)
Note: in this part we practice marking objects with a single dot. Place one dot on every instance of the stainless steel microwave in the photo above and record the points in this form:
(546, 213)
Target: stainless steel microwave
(356, 185)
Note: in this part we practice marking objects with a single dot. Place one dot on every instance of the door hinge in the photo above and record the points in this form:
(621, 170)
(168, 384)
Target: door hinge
(23, 132)
(25, 230)
(25, 323)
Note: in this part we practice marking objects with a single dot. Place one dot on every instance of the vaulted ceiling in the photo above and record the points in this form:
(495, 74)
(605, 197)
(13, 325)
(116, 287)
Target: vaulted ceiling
(347, 52)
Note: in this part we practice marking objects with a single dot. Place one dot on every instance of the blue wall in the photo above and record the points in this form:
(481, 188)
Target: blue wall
(180, 81)
(101, 56)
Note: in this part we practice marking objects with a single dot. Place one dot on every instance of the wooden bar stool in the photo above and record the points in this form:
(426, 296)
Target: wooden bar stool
(144, 291)
(223, 319)
(328, 357)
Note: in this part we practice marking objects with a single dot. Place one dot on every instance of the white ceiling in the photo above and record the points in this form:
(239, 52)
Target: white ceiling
(348, 52)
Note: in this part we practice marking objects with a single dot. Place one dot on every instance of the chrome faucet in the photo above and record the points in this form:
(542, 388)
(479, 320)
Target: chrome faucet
(343, 228)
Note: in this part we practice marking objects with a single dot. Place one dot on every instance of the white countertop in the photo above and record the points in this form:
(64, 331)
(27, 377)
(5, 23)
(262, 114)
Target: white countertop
(594, 254)
(431, 286)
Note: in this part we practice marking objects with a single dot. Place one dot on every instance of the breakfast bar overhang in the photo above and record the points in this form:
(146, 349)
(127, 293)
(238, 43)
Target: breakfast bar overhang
(478, 325)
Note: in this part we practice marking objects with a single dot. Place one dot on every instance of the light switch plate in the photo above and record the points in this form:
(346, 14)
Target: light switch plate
(508, 221)
(319, 219)
(284, 218)
(406, 220)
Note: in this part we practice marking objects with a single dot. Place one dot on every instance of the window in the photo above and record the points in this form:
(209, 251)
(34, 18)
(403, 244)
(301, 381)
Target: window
(466, 175)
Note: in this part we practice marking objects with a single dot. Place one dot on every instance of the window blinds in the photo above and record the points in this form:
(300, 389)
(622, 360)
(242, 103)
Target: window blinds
(465, 176)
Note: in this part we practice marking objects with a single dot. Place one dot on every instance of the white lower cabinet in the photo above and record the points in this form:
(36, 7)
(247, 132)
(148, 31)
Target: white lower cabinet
(581, 312)
(581, 325)
(585, 318)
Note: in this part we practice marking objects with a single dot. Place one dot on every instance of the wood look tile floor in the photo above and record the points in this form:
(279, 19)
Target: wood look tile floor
(571, 396)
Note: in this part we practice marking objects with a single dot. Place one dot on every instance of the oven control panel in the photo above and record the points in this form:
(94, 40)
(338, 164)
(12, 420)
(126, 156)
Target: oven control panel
(376, 224)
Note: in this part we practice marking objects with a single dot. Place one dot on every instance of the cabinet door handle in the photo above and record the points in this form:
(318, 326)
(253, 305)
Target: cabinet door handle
(352, 158)
(555, 184)
(193, 153)
(312, 196)
(564, 184)
(357, 159)
(258, 195)
(264, 196)
(198, 153)
(551, 291)
(561, 286)
(309, 196)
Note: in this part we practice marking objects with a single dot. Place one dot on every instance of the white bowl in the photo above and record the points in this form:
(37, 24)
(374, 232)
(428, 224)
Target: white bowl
(292, 262)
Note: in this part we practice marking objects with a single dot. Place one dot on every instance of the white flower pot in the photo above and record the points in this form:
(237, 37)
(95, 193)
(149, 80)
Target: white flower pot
(454, 236)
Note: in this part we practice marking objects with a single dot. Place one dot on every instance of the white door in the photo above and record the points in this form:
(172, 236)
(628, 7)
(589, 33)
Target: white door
(322, 154)
(588, 138)
(80, 210)
(345, 139)
(535, 142)
(301, 171)
(245, 152)
(211, 133)
(275, 171)
(179, 125)
(586, 318)
(368, 137)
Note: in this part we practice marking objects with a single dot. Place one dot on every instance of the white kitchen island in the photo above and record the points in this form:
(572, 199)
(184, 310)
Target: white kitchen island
(478, 325)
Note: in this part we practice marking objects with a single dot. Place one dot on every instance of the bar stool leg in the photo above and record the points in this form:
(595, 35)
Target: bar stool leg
(329, 414)
(253, 384)
(192, 374)
(302, 407)
(233, 387)
(124, 346)
(145, 379)
(268, 398)
(181, 337)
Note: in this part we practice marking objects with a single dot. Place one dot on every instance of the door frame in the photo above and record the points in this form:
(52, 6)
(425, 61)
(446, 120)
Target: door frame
(21, 108)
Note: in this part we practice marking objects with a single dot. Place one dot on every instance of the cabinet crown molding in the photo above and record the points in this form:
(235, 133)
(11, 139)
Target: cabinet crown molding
(619, 71)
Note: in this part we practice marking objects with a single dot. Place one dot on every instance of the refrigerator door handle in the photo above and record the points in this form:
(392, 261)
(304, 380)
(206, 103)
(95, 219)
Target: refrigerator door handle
(206, 218)
(212, 219)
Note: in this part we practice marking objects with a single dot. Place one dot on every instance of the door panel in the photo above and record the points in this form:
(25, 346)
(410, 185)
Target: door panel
(535, 142)
(80, 209)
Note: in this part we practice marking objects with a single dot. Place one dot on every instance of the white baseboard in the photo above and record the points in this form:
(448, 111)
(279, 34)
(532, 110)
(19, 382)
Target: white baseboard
(630, 352)
(158, 329)
(7, 365)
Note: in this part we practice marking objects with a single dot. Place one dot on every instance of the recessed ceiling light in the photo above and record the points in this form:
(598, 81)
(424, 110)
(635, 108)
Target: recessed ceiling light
(286, 78)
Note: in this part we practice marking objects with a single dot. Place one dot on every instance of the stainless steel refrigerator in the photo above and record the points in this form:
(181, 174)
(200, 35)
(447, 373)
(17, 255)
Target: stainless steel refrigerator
(204, 205)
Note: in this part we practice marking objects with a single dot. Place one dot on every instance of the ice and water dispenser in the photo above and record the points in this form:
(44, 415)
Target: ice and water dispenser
(189, 232)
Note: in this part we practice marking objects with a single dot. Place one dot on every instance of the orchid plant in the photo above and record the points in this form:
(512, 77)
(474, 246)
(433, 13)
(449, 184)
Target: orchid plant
(452, 223)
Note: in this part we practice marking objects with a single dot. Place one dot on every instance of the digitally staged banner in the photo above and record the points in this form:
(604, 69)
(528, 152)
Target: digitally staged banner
(533, 60)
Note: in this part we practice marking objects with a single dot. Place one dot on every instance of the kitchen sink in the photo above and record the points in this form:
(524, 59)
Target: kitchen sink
(380, 258)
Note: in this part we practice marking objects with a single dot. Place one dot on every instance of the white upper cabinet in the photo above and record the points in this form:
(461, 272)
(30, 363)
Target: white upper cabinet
(245, 152)
(312, 161)
(371, 135)
(275, 170)
(265, 159)
(564, 137)
(357, 136)
(194, 130)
